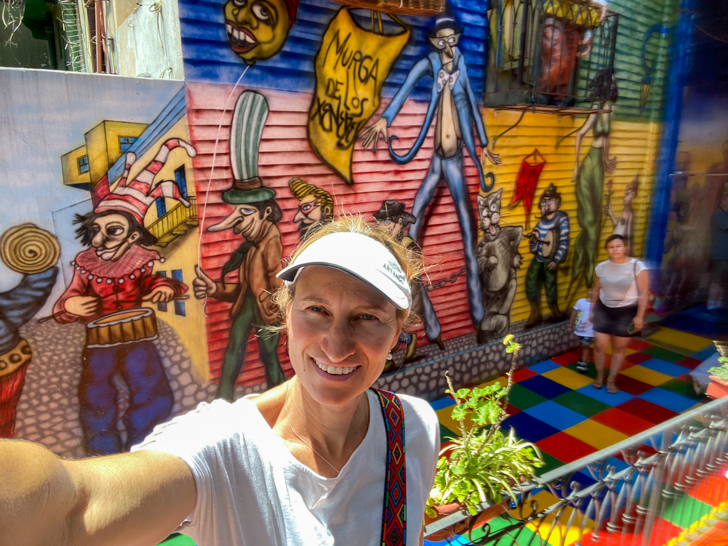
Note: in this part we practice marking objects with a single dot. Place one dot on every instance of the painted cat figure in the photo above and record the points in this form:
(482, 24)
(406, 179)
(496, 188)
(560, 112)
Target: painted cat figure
(498, 263)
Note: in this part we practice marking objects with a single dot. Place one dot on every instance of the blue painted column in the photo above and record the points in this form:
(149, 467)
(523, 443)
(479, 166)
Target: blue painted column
(676, 79)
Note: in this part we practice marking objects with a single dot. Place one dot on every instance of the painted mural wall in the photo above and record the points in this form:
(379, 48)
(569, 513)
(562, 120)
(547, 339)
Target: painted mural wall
(149, 218)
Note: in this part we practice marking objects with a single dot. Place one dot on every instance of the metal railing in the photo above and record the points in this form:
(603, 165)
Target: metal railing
(640, 485)
(178, 218)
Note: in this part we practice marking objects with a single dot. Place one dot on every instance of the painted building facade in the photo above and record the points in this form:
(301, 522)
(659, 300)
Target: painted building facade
(511, 201)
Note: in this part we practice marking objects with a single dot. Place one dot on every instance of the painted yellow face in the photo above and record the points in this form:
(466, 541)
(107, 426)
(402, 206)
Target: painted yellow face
(256, 29)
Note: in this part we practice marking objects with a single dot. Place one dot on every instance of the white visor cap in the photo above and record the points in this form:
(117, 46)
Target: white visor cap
(360, 256)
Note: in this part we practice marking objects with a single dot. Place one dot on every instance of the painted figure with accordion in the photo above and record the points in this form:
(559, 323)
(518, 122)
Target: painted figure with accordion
(549, 242)
(112, 279)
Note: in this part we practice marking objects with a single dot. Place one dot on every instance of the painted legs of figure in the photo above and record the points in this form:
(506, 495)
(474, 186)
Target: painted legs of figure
(150, 396)
(451, 169)
(248, 318)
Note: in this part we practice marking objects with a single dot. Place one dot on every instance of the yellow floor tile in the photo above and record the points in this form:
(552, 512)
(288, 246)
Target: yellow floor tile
(683, 340)
(561, 534)
(503, 380)
(568, 378)
(651, 377)
(595, 434)
(445, 418)
(627, 350)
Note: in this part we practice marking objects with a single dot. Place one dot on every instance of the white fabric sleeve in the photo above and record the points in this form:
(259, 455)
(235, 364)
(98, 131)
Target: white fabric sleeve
(195, 437)
(640, 267)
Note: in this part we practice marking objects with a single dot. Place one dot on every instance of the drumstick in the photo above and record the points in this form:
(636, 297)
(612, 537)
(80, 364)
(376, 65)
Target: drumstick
(59, 313)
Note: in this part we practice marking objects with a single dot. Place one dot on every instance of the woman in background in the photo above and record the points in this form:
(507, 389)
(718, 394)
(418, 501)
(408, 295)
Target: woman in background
(619, 301)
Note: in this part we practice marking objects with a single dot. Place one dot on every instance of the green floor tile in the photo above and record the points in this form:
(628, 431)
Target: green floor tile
(178, 540)
(446, 434)
(551, 463)
(683, 388)
(523, 398)
(684, 511)
(591, 372)
(523, 537)
(581, 403)
(663, 354)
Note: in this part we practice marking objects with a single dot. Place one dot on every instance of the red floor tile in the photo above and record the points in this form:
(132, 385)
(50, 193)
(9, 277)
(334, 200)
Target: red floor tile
(638, 344)
(631, 385)
(638, 358)
(661, 533)
(713, 490)
(523, 373)
(565, 448)
(567, 358)
(512, 410)
(688, 362)
(622, 421)
(647, 410)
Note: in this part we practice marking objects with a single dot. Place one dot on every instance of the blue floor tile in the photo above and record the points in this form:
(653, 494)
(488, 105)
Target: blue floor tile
(603, 396)
(442, 403)
(543, 367)
(544, 386)
(555, 415)
(705, 354)
(667, 399)
(529, 428)
(668, 368)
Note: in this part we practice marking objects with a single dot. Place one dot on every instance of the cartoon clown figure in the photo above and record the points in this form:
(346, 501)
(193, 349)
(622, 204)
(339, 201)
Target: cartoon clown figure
(257, 29)
(111, 281)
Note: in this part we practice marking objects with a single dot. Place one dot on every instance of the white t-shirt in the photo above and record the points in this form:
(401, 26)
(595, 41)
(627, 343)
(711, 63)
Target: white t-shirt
(583, 324)
(251, 491)
(618, 282)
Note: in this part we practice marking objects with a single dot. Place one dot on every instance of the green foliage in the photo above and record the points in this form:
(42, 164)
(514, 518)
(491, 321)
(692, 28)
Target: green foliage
(483, 464)
(721, 372)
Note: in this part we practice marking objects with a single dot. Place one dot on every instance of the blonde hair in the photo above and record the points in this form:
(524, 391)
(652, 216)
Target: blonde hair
(409, 260)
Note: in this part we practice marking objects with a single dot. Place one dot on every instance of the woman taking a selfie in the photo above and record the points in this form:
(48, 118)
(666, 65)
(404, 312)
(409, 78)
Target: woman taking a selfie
(317, 460)
(619, 300)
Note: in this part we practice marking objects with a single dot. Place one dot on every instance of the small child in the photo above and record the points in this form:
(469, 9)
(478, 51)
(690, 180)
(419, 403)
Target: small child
(584, 330)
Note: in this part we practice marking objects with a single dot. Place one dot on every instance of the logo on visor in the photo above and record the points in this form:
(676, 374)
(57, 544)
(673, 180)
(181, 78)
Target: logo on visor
(393, 269)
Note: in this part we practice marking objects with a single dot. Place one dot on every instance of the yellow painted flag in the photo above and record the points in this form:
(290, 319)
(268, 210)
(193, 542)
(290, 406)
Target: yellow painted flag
(351, 67)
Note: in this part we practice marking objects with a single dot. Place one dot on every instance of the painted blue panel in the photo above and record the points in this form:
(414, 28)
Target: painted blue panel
(170, 114)
(208, 57)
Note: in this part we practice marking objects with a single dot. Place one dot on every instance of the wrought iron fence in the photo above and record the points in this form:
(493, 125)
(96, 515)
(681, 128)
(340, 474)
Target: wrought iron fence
(636, 488)
(549, 55)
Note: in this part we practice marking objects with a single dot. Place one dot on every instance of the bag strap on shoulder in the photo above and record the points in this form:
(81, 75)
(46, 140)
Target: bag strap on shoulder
(394, 515)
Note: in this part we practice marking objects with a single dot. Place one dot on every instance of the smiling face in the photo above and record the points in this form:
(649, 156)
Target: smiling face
(256, 29)
(111, 236)
(340, 330)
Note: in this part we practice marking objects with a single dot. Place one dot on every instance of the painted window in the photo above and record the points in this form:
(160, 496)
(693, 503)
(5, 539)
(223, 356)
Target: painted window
(179, 306)
(161, 207)
(126, 142)
(181, 180)
(162, 306)
(83, 164)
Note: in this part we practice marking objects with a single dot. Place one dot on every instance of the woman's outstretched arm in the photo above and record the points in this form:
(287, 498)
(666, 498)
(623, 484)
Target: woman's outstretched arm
(131, 499)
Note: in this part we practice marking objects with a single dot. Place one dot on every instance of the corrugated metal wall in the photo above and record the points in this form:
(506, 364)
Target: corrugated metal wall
(287, 81)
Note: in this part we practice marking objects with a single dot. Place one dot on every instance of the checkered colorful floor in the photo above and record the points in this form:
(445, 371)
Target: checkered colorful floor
(555, 407)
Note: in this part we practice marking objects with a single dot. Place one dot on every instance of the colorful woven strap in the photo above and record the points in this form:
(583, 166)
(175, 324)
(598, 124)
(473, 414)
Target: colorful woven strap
(394, 516)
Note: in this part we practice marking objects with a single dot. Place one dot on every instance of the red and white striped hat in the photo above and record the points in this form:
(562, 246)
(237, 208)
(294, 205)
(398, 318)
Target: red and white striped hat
(137, 196)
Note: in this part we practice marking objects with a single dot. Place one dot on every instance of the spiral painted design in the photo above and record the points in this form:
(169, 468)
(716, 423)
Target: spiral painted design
(28, 249)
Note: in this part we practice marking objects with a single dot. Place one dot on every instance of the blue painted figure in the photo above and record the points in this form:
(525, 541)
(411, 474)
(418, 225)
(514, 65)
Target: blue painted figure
(454, 109)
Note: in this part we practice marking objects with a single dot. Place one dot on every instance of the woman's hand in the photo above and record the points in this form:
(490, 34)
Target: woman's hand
(576, 172)
(610, 164)
(638, 322)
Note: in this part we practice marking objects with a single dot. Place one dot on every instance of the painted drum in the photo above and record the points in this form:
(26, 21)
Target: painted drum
(129, 326)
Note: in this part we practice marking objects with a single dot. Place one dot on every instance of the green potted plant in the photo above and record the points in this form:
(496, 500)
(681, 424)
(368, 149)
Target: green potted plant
(718, 386)
(484, 464)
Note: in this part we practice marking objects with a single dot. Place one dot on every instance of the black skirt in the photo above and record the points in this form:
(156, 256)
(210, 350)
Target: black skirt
(614, 320)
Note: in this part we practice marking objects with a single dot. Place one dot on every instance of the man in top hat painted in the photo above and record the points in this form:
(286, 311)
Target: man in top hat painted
(453, 109)
(258, 259)
(115, 274)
